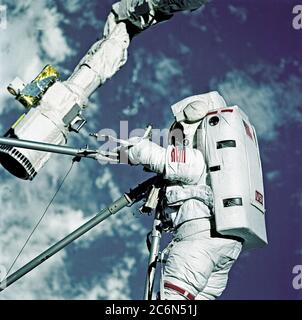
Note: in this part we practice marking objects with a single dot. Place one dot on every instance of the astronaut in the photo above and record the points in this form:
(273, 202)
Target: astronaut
(199, 258)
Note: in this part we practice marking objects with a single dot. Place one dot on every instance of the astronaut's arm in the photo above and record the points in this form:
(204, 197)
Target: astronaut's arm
(184, 165)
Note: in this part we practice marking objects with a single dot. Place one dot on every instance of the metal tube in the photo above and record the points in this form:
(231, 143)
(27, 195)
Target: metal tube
(40, 146)
(153, 257)
(104, 214)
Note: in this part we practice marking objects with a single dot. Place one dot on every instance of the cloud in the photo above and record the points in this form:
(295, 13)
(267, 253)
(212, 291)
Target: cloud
(273, 176)
(114, 286)
(13, 234)
(85, 14)
(125, 225)
(22, 205)
(269, 95)
(239, 12)
(33, 38)
(53, 42)
(163, 81)
(72, 6)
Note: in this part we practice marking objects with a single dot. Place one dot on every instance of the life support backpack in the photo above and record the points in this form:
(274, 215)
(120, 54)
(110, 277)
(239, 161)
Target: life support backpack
(229, 143)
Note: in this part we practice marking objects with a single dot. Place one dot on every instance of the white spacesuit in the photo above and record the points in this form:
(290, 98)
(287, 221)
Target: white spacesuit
(214, 197)
(199, 258)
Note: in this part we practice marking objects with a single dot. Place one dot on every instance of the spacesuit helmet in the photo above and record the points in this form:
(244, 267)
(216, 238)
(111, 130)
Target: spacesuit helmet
(189, 114)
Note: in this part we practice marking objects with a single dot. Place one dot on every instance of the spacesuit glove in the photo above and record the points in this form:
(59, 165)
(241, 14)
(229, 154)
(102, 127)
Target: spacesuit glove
(120, 153)
(137, 151)
(148, 154)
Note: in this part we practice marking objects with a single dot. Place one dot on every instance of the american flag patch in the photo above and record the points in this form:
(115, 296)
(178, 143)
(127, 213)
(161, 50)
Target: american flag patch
(259, 197)
(248, 130)
(178, 155)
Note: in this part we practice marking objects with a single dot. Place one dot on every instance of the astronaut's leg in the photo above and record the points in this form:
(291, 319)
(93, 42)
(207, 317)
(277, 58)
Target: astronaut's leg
(187, 270)
(217, 282)
(197, 263)
(170, 294)
(188, 264)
